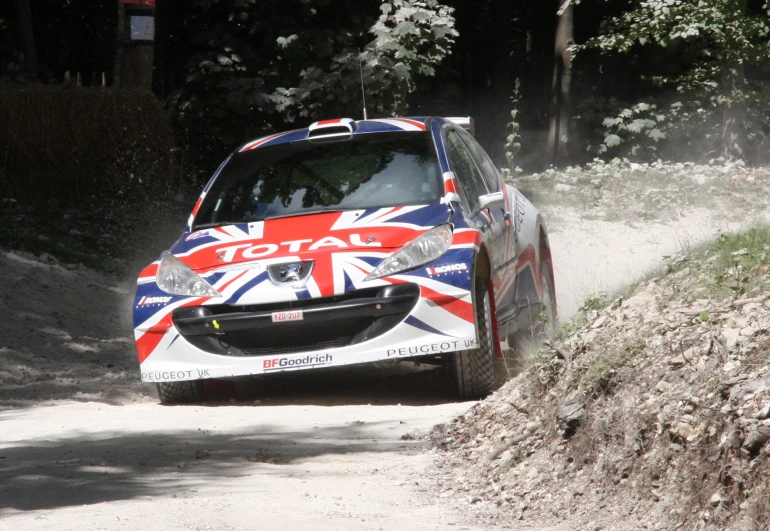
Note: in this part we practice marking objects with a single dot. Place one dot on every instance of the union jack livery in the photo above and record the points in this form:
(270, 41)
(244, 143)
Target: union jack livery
(343, 243)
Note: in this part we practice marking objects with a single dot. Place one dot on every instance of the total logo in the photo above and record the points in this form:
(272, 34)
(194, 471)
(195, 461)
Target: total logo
(277, 364)
(250, 251)
(450, 268)
(147, 301)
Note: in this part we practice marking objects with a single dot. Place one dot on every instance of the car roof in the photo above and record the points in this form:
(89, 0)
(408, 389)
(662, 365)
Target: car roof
(342, 127)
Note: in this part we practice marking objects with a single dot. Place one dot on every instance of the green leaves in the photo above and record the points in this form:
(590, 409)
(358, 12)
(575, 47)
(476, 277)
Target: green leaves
(637, 125)
(256, 66)
(512, 145)
(612, 141)
(716, 40)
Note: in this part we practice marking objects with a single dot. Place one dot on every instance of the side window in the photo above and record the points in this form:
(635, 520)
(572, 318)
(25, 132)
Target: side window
(482, 159)
(468, 174)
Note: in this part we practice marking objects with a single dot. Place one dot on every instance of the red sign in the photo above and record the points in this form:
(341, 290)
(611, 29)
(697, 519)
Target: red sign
(148, 3)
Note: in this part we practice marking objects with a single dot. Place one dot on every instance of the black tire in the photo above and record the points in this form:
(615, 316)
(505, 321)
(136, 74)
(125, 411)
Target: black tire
(475, 369)
(246, 389)
(547, 325)
(180, 392)
(542, 324)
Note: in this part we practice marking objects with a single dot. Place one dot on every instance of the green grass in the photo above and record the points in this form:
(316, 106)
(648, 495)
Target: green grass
(602, 367)
(739, 262)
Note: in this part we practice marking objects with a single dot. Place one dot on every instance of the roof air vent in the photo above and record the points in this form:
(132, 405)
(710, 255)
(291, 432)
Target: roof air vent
(331, 128)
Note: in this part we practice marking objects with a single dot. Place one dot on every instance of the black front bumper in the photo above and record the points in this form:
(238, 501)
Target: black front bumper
(331, 322)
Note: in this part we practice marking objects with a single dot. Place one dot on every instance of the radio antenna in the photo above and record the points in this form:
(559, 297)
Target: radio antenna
(363, 92)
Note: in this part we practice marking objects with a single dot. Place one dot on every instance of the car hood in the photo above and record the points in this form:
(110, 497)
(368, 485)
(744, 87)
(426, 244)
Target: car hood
(308, 237)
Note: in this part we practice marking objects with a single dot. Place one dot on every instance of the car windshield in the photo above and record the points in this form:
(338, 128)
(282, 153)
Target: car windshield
(372, 170)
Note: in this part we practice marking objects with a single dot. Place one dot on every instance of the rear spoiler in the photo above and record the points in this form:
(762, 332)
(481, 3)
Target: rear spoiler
(466, 122)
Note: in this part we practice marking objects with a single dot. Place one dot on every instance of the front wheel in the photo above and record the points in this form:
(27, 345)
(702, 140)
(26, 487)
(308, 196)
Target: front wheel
(474, 369)
(547, 316)
(180, 392)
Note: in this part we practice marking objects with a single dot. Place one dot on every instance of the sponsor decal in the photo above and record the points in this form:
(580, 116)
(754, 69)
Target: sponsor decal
(290, 315)
(450, 268)
(434, 348)
(196, 235)
(277, 364)
(249, 251)
(149, 301)
(195, 374)
(518, 216)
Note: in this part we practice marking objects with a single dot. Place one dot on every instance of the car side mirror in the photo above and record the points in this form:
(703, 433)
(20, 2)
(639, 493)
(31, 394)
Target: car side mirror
(492, 200)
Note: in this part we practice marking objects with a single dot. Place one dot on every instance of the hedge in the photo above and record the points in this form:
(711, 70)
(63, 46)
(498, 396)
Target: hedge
(77, 144)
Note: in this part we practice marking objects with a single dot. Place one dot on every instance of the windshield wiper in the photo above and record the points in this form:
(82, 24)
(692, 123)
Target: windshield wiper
(223, 223)
(310, 212)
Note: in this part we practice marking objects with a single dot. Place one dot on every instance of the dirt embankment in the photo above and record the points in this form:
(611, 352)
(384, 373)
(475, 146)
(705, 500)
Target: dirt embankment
(651, 410)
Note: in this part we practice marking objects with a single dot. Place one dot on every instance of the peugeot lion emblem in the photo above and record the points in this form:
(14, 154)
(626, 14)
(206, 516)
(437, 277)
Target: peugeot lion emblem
(290, 273)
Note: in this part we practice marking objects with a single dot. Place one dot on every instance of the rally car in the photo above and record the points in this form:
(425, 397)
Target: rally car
(347, 242)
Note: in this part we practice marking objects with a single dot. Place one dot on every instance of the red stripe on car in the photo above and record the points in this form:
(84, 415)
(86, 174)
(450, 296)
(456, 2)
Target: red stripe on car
(197, 206)
(415, 123)
(462, 309)
(150, 340)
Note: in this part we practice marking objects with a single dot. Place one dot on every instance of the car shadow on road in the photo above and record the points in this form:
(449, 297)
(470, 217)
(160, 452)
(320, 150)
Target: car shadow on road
(404, 384)
(78, 469)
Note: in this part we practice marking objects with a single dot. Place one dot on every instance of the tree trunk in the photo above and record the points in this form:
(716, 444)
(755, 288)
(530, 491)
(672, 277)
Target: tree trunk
(121, 35)
(734, 111)
(26, 34)
(557, 145)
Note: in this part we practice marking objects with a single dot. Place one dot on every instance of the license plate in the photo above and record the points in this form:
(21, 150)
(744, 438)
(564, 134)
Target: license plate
(290, 315)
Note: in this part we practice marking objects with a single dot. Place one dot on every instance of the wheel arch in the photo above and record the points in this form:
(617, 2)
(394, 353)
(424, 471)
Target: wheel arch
(482, 268)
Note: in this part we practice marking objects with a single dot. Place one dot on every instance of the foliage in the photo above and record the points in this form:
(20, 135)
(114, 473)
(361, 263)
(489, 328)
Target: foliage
(716, 40)
(12, 68)
(741, 262)
(603, 366)
(82, 144)
(513, 142)
(258, 66)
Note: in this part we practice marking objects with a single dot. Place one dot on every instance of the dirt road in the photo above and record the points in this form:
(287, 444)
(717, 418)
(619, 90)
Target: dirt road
(97, 466)
(593, 255)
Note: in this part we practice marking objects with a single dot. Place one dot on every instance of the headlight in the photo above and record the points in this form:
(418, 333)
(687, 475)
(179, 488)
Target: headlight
(424, 249)
(176, 278)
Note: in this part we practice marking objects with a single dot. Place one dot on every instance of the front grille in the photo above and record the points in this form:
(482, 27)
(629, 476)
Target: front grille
(301, 336)
(290, 273)
(321, 345)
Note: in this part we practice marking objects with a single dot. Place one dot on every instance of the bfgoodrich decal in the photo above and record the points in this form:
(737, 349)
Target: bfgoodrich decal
(277, 364)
